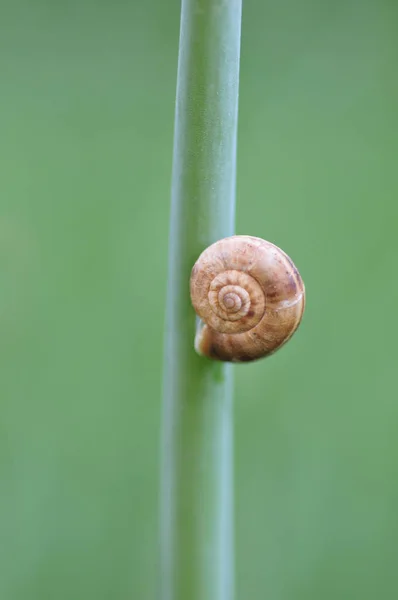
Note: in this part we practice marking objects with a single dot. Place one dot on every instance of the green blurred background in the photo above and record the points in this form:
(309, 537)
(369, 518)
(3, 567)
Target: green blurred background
(86, 119)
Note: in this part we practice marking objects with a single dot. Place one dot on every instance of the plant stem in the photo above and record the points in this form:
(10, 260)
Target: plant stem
(197, 490)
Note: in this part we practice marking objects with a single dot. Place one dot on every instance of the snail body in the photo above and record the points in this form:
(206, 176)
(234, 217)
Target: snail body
(249, 296)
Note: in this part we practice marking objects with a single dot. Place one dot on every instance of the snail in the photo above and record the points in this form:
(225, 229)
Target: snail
(249, 297)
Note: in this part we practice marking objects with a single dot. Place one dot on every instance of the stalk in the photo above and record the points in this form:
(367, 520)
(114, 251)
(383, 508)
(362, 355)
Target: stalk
(197, 486)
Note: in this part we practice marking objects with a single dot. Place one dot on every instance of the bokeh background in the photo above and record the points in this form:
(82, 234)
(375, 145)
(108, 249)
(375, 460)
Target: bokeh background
(86, 122)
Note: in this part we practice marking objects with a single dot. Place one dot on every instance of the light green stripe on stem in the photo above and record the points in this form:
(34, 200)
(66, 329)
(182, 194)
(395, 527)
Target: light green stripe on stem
(197, 490)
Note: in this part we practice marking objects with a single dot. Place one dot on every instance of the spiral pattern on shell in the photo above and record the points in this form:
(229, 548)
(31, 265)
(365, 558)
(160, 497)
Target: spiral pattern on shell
(249, 296)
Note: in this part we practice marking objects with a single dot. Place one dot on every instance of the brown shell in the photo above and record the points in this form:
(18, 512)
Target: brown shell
(249, 296)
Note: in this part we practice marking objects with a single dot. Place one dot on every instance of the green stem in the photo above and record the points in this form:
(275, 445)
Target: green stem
(197, 491)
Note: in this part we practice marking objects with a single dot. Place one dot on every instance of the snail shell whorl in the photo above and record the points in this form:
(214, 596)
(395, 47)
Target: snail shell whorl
(249, 296)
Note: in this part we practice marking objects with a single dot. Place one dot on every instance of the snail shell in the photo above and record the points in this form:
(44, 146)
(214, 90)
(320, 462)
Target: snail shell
(249, 296)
